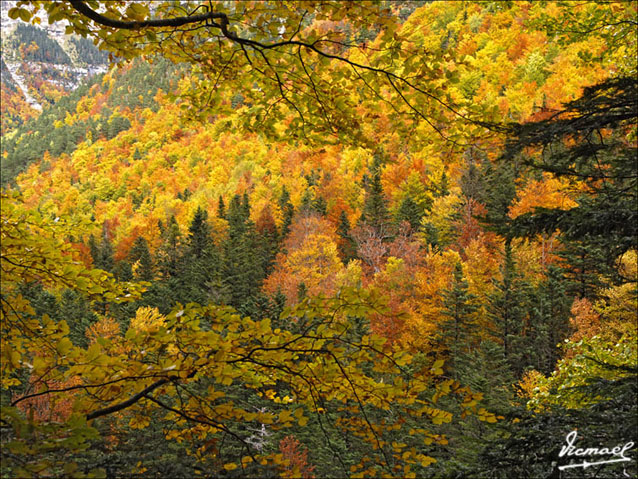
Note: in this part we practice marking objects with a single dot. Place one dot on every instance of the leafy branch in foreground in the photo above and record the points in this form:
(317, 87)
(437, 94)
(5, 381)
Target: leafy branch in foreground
(306, 63)
(185, 365)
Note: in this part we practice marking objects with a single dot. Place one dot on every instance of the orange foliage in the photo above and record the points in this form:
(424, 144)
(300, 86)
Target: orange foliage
(584, 320)
(468, 226)
(297, 457)
(550, 192)
(105, 327)
(54, 407)
(311, 258)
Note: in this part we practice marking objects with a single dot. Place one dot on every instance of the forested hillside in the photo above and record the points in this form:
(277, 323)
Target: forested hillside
(38, 69)
(325, 239)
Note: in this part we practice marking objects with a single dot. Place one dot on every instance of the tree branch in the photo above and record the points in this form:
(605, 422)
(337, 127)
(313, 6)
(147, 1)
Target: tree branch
(129, 402)
(82, 8)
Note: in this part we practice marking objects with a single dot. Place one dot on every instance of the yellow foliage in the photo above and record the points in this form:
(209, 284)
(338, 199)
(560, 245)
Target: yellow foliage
(550, 192)
(147, 319)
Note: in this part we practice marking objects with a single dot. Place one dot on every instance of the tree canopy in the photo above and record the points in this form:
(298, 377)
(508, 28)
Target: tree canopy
(314, 62)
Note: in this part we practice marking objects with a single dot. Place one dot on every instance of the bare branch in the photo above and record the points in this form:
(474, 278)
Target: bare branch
(129, 402)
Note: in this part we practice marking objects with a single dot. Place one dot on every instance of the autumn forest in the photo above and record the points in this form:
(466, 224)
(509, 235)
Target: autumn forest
(319, 239)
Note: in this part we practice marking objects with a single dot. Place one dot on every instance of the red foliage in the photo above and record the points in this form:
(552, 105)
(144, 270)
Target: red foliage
(297, 455)
(468, 226)
(265, 223)
(54, 407)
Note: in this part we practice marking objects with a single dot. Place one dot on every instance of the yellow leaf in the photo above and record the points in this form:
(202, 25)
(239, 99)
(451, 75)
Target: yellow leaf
(285, 416)
(64, 346)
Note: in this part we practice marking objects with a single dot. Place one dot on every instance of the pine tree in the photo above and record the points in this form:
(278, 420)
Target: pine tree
(549, 322)
(221, 208)
(245, 205)
(473, 183)
(375, 212)
(201, 272)
(508, 310)
(94, 250)
(199, 238)
(169, 253)
(320, 206)
(347, 246)
(287, 211)
(499, 180)
(443, 188)
(587, 141)
(456, 332)
(242, 267)
(409, 211)
(279, 304)
(140, 252)
(102, 253)
(258, 307)
(123, 271)
(586, 265)
(306, 202)
(310, 203)
(268, 240)
(75, 310)
(429, 233)
(236, 218)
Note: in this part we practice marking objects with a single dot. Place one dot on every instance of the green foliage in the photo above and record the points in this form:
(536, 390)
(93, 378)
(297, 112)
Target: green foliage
(87, 53)
(549, 323)
(135, 87)
(456, 332)
(508, 311)
(287, 210)
(47, 51)
(375, 211)
(29, 141)
(347, 246)
(242, 271)
(409, 211)
(140, 253)
(528, 444)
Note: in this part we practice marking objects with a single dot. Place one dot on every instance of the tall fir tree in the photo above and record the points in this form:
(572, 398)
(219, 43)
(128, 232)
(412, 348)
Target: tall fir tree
(443, 188)
(347, 246)
(375, 211)
(287, 212)
(200, 279)
(585, 266)
(409, 211)
(242, 267)
(508, 309)
(76, 311)
(550, 310)
(221, 208)
(268, 240)
(307, 200)
(140, 253)
(102, 253)
(456, 333)
(169, 252)
(199, 238)
(589, 141)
